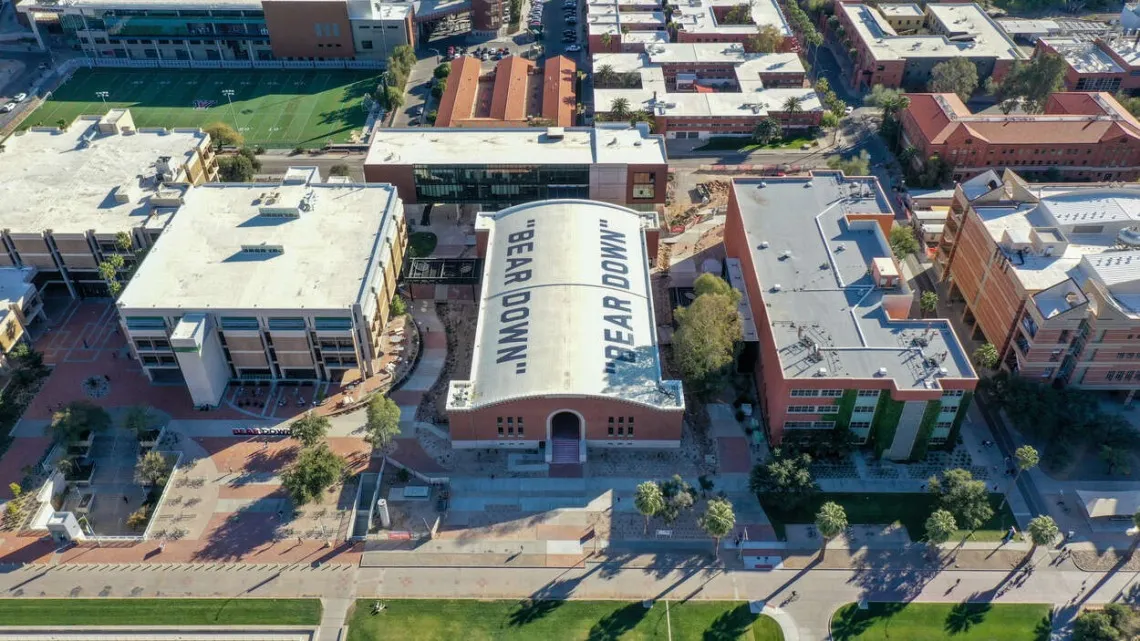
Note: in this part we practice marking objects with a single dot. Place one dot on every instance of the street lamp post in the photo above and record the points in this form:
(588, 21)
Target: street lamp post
(229, 94)
(102, 95)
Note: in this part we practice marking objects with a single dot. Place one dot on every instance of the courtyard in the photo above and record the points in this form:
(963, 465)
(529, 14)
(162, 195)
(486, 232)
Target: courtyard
(272, 108)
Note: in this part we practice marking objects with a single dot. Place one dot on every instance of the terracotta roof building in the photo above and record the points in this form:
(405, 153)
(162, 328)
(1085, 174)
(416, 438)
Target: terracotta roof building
(1079, 137)
(515, 94)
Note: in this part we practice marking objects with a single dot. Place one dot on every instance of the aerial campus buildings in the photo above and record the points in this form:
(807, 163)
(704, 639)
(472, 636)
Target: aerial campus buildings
(631, 26)
(831, 310)
(703, 90)
(885, 48)
(230, 30)
(1050, 274)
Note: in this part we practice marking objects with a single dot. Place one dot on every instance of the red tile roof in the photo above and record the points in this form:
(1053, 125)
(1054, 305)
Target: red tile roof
(1069, 118)
(509, 100)
(558, 100)
(458, 100)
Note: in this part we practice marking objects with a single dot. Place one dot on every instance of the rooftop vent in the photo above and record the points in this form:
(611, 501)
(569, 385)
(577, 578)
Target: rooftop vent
(882, 371)
(821, 371)
(1072, 299)
(942, 371)
(262, 249)
(786, 254)
(1129, 237)
(555, 133)
(777, 287)
(763, 244)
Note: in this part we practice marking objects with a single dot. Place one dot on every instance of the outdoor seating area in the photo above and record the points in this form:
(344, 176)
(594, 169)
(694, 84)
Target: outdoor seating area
(399, 346)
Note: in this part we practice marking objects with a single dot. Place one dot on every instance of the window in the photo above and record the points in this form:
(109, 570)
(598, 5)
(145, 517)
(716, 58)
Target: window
(287, 323)
(332, 324)
(239, 323)
(500, 431)
(629, 432)
(809, 425)
(860, 425)
(949, 410)
(644, 184)
(611, 431)
(621, 431)
(805, 392)
(953, 393)
(510, 420)
(831, 393)
(801, 409)
(365, 44)
(520, 431)
(510, 430)
(145, 322)
(943, 425)
(868, 393)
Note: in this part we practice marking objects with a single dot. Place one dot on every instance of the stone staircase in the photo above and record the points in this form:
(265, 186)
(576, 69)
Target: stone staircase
(563, 450)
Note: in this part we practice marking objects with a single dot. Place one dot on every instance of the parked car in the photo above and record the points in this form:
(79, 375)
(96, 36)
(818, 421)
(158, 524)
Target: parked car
(20, 97)
(8, 107)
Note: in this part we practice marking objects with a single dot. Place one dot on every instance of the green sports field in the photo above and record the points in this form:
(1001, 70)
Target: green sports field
(272, 107)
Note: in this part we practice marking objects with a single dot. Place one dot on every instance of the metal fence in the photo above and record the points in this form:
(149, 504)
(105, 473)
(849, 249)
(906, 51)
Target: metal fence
(126, 63)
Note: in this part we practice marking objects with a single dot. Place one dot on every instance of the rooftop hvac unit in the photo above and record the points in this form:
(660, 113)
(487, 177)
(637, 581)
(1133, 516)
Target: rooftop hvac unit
(882, 371)
(942, 371)
(787, 253)
(821, 371)
(777, 287)
(763, 244)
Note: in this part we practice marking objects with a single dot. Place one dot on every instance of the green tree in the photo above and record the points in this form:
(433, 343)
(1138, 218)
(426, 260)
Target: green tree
(223, 135)
(138, 419)
(1124, 619)
(649, 501)
(139, 518)
(315, 470)
(1031, 83)
(382, 421)
(956, 75)
(784, 480)
(339, 169)
(829, 120)
(986, 356)
(713, 285)
(679, 497)
(235, 169)
(768, 39)
(607, 40)
(391, 99)
(704, 345)
(605, 76)
(857, 165)
(619, 108)
(928, 302)
(831, 521)
(766, 131)
(963, 496)
(153, 469)
(1092, 625)
(1042, 530)
(442, 71)
(398, 307)
(77, 417)
(903, 243)
(310, 429)
(793, 105)
(1117, 459)
(940, 526)
(891, 101)
(15, 489)
(717, 521)
(1130, 104)
(123, 241)
(1026, 458)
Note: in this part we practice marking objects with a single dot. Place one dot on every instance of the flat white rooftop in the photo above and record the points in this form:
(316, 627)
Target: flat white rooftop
(366, 10)
(1127, 48)
(605, 144)
(824, 309)
(50, 6)
(1083, 55)
(15, 285)
(298, 244)
(699, 16)
(52, 179)
(566, 308)
(975, 34)
(901, 10)
(753, 97)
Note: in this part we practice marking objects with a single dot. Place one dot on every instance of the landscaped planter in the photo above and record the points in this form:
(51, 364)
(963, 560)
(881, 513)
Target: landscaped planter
(81, 475)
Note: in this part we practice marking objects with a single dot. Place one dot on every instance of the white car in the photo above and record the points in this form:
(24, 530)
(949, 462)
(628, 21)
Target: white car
(20, 97)
(8, 107)
(573, 48)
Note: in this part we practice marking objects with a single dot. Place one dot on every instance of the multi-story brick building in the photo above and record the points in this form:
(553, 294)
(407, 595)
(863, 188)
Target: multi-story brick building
(885, 47)
(229, 30)
(703, 90)
(566, 349)
(1079, 137)
(1050, 275)
(617, 26)
(73, 197)
(1109, 63)
(830, 306)
(497, 168)
(267, 281)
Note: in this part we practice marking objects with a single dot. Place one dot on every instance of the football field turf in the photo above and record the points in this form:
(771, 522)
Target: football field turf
(272, 107)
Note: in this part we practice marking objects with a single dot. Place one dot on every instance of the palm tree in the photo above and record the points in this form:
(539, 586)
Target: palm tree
(619, 108)
(1026, 458)
(793, 105)
(604, 75)
(717, 521)
(766, 131)
(893, 104)
(649, 501)
(940, 526)
(831, 521)
(987, 356)
(907, 155)
(1042, 530)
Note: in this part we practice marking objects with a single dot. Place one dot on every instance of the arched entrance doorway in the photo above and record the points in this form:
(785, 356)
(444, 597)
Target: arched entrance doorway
(565, 435)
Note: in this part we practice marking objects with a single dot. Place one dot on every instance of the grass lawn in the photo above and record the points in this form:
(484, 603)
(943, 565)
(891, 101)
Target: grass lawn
(62, 612)
(273, 108)
(744, 144)
(942, 621)
(910, 509)
(421, 243)
(444, 620)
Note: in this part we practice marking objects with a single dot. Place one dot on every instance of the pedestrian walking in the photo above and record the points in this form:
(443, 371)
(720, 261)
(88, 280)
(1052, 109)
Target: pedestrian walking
(125, 499)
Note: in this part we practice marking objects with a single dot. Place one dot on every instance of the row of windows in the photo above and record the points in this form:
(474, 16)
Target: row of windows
(152, 344)
(867, 393)
(620, 420)
(1122, 375)
(953, 393)
(949, 409)
(1128, 355)
(510, 421)
(511, 433)
(860, 425)
(823, 393)
(809, 425)
(811, 409)
(621, 430)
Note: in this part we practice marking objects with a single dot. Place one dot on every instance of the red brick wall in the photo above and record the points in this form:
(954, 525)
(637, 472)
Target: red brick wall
(661, 182)
(293, 29)
(399, 176)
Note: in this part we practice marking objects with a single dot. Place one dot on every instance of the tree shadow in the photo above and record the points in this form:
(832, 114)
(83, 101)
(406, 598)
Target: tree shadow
(730, 625)
(850, 622)
(616, 624)
(894, 572)
(542, 602)
(964, 616)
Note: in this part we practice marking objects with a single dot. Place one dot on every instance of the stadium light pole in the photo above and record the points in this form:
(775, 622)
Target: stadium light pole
(229, 94)
(102, 95)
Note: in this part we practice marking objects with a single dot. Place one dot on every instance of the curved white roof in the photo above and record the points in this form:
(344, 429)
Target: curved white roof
(566, 308)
